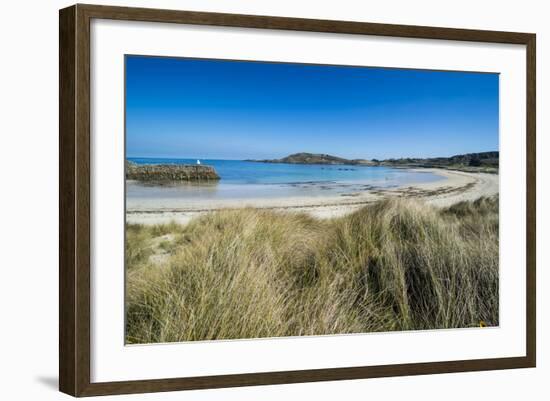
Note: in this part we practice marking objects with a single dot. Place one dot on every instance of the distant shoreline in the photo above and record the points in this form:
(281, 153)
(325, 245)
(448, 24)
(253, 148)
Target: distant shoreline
(457, 186)
(471, 162)
(481, 162)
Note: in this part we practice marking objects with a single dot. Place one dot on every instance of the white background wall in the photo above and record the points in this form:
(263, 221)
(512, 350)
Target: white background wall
(28, 199)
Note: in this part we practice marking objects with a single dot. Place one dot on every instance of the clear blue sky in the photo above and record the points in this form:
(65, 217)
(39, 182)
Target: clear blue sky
(215, 109)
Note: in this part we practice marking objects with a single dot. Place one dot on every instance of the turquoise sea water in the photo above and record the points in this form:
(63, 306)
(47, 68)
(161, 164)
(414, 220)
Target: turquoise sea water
(244, 179)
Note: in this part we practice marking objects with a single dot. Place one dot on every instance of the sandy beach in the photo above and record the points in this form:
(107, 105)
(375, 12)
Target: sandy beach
(455, 187)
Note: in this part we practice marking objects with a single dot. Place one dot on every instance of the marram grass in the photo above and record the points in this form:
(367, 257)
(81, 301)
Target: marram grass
(249, 273)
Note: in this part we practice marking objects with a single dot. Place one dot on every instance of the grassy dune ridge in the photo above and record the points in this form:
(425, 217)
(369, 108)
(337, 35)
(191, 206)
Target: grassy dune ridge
(394, 265)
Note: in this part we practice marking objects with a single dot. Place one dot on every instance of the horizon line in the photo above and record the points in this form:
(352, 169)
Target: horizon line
(313, 153)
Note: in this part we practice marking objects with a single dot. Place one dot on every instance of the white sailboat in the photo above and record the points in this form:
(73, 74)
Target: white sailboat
(198, 161)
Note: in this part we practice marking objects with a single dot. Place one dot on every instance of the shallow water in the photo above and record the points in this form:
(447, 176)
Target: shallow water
(249, 180)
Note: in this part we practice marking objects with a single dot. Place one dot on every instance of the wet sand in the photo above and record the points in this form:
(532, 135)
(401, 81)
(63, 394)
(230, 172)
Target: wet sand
(457, 186)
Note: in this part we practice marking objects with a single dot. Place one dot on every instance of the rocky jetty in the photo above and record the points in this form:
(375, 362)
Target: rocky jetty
(170, 172)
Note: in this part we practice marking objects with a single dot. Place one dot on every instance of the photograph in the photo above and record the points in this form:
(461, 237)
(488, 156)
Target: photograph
(274, 199)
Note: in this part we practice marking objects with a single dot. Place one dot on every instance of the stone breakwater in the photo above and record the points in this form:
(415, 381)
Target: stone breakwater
(170, 172)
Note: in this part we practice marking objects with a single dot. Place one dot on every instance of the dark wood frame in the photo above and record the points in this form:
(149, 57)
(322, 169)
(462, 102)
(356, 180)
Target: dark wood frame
(74, 199)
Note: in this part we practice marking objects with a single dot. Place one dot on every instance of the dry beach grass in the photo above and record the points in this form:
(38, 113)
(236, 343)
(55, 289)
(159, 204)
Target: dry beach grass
(397, 264)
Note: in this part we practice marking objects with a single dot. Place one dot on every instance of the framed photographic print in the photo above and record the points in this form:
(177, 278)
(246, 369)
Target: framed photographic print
(250, 200)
